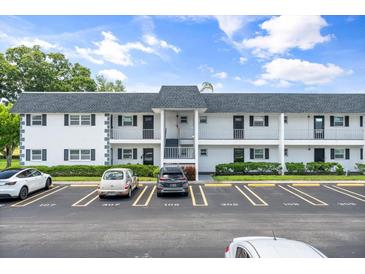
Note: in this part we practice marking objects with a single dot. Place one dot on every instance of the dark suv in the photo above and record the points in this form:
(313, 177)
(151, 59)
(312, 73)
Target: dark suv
(172, 179)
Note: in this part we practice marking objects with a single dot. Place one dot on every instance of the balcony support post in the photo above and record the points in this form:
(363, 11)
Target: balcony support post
(162, 137)
(363, 147)
(196, 145)
(282, 143)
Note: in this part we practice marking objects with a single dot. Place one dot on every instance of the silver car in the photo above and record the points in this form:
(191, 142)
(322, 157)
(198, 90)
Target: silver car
(117, 182)
(270, 247)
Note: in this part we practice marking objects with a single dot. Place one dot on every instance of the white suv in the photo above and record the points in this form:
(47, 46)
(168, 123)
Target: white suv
(19, 182)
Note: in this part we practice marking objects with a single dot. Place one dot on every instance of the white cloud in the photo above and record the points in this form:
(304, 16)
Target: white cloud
(87, 53)
(151, 40)
(218, 85)
(237, 78)
(242, 60)
(113, 74)
(230, 24)
(221, 75)
(285, 33)
(282, 72)
(26, 41)
(206, 68)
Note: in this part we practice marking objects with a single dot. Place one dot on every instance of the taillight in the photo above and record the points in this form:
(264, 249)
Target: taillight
(227, 249)
(10, 183)
(163, 179)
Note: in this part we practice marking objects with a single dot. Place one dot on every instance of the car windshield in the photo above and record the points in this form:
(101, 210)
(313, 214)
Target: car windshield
(6, 174)
(114, 175)
(173, 175)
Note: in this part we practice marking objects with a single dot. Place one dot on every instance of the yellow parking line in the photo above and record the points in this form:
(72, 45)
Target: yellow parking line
(203, 196)
(249, 199)
(261, 185)
(32, 200)
(321, 203)
(192, 195)
(139, 196)
(259, 198)
(344, 184)
(304, 184)
(83, 198)
(347, 194)
(193, 200)
(218, 185)
(150, 197)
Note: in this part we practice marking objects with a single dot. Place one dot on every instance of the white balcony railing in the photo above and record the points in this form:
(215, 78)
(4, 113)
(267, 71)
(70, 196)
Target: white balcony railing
(179, 153)
(325, 134)
(236, 134)
(121, 133)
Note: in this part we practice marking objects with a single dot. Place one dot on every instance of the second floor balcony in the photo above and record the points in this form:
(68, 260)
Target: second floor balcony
(121, 134)
(324, 134)
(239, 134)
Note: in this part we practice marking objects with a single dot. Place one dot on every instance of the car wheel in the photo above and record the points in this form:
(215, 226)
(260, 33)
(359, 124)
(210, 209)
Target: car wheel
(186, 194)
(159, 194)
(48, 183)
(101, 196)
(129, 192)
(23, 193)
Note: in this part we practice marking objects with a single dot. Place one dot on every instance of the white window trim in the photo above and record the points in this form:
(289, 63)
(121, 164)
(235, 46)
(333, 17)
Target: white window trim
(79, 120)
(259, 125)
(123, 120)
(343, 153)
(254, 153)
(334, 121)
(31, 155)
(79, 153)
(34, 115)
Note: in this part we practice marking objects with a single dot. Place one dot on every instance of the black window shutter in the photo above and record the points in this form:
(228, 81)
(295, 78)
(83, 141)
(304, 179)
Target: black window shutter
(134, 120)
(347, 121)
(44, 154)
(28, 119)
(252, 153)
(347, 154)
(65, 154)
(93, 155)
(361, 153)
(93, 119)
(135, 154)
(266, 120)
(66, 119)
(251, 120)
(361, 121)
(332, 153)
(332, 121)
(120, 154)
(267, 156)
(27, 155)
(120, 120)
(44, 119)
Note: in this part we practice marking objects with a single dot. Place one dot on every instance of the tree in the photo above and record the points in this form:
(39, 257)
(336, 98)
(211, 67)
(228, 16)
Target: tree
(207, 85)
(9, 132)
(30, 69)
(104, 85)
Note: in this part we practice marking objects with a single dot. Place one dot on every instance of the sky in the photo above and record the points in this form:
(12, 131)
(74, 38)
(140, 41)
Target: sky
(234, 53)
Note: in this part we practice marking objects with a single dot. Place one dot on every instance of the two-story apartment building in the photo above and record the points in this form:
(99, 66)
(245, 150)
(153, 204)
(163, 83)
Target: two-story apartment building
(180, 125)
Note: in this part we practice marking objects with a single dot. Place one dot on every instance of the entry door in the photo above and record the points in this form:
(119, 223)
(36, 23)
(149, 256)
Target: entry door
(147, 126)
(238, 124)
(148, 156)
(319, 154)
(318, 127)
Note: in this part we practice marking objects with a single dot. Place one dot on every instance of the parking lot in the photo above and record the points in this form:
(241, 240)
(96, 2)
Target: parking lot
(71, 221)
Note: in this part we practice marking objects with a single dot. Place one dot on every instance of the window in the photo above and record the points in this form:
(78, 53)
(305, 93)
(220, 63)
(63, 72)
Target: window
(259, 121)
(36, 120)
(80, 154)
(183, 119)
(127, 153)
(74, 120)
(203, 119)
(127, 120)
(83, 120)
(238, 155)
(36, 155)
(338, 121)
(203, 152)
(35, 173)
(242, 253)
(259, 153)
(24, 174)
(286, 152)
(339, 153)
(285, 119)
(114, 175)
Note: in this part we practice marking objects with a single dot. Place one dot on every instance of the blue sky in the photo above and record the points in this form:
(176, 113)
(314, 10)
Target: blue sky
(235, 53)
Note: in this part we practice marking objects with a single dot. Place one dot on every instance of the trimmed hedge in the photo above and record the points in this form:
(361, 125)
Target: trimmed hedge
(361, 168)
(95, 171)
(295, 168)
(324, 168)
(248, 168)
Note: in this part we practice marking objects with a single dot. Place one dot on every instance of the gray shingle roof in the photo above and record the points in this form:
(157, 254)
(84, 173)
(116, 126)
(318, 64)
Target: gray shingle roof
(179, 97)
(188, 97)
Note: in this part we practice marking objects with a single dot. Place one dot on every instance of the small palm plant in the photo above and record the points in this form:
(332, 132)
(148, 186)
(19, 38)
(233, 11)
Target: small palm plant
(207, 86)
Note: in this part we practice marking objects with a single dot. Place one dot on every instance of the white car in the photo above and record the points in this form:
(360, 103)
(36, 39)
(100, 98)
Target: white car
(270, 247)
(19, 182)
(117, 182)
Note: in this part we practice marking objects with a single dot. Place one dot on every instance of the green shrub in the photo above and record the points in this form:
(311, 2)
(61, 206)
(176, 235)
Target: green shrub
(361, 167)
(95, 171)
(295, 168)
(324, 168)
(247, 168)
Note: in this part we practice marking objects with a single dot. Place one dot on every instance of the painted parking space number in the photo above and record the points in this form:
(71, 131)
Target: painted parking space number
(172, 204)
(291, 204)
(346, 204)
(229, 204)
(111, 204)
(47, 205)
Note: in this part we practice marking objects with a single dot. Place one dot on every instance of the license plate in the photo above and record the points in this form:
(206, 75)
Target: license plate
(173, 185)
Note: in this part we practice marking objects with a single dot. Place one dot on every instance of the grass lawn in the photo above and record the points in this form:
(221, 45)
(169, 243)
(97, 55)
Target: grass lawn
(14, 163)
(91, 179)
(289, 178)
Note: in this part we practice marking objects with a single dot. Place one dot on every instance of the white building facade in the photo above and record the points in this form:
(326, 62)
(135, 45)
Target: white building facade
(180, 125)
